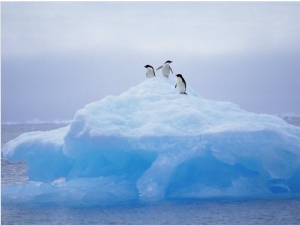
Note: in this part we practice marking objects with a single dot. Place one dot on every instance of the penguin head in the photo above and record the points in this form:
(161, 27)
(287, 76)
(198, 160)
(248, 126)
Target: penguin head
(147, 66)
(168, 61)
(179, 75)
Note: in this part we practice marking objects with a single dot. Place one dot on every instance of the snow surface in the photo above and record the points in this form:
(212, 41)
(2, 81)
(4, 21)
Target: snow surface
(151, 143)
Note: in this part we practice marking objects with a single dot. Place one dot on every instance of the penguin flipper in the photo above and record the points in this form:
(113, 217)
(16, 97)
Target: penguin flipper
(171, 69)
(175, 85)
(159, 67)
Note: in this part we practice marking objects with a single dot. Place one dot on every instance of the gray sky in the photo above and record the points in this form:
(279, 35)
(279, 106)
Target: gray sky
(59, 56)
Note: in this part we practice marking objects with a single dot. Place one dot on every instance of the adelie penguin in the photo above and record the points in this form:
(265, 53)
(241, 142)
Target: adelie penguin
(166, 68)
(150, 71)
(181, 84)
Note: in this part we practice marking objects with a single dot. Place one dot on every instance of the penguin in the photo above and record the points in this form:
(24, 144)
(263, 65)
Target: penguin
(181, 84)
(150, 71)
(166, 68)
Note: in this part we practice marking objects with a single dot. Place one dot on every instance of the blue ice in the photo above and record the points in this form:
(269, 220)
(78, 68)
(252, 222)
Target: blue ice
(151, 143)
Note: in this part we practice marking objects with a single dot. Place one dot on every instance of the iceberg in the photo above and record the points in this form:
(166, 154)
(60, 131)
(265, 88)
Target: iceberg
(151, 143)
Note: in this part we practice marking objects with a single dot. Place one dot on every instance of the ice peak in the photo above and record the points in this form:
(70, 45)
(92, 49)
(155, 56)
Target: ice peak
(155, 108)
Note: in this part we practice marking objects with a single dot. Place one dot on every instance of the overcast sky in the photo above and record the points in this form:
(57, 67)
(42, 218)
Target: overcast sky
(59, 56)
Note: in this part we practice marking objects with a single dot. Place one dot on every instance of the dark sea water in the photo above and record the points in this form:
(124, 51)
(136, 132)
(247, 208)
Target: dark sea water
(225, 212)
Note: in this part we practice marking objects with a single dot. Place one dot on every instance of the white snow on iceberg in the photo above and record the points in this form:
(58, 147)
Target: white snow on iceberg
(153, 143)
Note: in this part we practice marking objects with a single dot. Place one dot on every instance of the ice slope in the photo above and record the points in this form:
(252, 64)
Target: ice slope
(151, 143)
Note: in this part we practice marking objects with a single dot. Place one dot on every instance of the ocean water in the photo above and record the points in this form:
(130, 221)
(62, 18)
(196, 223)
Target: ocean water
(264, 212)
(214, 211)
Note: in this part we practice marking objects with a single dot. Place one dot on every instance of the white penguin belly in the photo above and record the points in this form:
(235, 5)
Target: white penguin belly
(180, 86)
(166, 70)
(149, 73)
